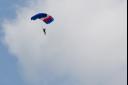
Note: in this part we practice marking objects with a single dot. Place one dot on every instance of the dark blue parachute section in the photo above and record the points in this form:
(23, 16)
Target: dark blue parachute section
(39, 16)
(44, 17)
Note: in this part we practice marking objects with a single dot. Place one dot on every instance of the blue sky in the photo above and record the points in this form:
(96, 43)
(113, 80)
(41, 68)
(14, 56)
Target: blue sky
(9, 74)
(9, 6)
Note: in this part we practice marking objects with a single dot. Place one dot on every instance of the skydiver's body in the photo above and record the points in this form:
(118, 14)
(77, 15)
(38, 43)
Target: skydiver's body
(44, 30)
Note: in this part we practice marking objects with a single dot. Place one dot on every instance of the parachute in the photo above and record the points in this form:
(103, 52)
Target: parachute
(44, 17)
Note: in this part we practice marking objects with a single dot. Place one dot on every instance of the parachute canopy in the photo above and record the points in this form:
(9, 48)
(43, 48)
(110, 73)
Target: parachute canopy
(44, 17)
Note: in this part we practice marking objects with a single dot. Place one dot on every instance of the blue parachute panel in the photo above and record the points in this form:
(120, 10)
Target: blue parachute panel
(39, 16)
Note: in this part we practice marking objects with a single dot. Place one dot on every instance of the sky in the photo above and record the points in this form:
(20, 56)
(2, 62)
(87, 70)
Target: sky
(9, 73)
(85, 45)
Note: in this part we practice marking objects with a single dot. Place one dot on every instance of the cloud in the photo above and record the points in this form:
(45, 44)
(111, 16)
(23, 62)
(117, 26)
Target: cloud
(86, 45)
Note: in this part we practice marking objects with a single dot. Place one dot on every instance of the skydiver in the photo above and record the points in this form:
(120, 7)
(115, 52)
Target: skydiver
(44, 30)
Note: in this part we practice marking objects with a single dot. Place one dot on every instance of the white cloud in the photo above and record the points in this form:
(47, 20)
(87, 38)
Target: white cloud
(86, 45)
